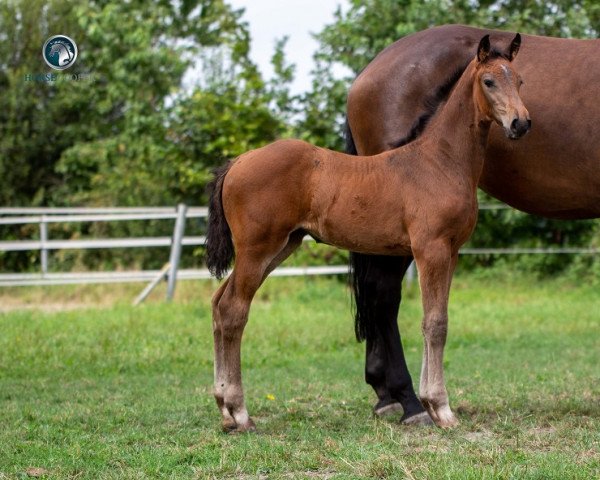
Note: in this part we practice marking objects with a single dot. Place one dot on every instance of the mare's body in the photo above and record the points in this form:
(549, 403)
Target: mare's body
(553, 172)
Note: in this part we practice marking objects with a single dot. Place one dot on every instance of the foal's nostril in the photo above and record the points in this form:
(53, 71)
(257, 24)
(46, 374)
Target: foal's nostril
(519, 127)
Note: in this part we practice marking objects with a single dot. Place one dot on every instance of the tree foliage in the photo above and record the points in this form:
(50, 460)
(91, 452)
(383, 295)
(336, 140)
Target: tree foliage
(133, 133)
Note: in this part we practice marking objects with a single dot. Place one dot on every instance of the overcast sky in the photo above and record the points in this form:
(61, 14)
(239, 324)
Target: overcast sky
(273, 19)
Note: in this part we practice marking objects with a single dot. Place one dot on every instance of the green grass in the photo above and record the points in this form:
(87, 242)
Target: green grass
(123, 392)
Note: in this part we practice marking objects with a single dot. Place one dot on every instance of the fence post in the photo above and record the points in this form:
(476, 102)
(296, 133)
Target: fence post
(178, 232)
(44, 240)
(410, 273)
(146, 291)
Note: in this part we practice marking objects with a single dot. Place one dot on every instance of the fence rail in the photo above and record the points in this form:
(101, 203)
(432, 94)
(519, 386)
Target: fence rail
(6, 211)
(138, 242)
(32, 279)
(45, 216)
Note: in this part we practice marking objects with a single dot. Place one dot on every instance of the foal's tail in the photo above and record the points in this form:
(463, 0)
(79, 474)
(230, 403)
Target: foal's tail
(219, 246)
(359, 265)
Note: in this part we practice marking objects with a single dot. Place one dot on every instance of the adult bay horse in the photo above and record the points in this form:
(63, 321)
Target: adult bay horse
(553, 172)
(419, 199)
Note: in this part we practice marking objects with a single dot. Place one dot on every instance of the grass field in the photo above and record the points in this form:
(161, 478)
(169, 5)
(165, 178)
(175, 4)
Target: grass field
(123, 392)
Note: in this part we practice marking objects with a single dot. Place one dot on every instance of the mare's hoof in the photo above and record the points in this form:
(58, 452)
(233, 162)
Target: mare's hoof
(420, 419)
(383, 408)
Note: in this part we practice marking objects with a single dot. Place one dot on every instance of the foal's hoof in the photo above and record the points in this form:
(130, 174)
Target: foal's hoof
(442, 415)
(228, 425)
(249, 426)
(448, 422)
(384, 408)
(420, 419)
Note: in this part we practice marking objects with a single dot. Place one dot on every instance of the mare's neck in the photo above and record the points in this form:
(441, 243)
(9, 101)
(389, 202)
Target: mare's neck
(457, 135)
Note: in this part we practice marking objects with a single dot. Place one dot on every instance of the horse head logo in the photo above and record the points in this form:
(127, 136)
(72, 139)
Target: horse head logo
(59, 52)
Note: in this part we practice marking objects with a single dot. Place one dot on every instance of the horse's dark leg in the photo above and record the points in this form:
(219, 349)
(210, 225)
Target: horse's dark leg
(377, 284)
(375, 374)
(398, 379)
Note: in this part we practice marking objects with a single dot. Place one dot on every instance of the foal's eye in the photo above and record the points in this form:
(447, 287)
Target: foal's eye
(488, 83)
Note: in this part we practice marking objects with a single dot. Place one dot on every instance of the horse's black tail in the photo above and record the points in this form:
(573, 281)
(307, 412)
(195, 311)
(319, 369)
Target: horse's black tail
(359, 265)
(219, 246)
(364, 325)
(350, 146)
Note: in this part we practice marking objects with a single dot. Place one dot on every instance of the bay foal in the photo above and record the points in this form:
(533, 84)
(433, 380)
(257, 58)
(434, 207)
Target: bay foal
(419, 199)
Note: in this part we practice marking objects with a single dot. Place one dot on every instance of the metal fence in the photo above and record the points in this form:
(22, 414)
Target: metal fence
(171, 271)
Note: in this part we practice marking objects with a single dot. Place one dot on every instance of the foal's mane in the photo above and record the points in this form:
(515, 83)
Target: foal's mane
(431, 104)
(433, 101)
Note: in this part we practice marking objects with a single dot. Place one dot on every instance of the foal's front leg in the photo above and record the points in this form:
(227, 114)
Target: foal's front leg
(436, 265)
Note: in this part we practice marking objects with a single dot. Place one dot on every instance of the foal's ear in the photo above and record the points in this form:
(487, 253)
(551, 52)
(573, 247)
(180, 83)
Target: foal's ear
(514, 47)
(484, 49)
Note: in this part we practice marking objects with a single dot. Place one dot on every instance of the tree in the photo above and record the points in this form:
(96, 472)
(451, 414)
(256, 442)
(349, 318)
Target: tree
(172, 137)
(67, 141)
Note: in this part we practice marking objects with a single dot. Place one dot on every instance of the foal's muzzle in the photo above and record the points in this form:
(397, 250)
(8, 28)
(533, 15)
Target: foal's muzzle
(518, 128)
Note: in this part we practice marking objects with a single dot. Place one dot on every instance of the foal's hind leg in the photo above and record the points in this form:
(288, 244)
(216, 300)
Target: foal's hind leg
(436, 264)
(294, 241)
(231, 305)
(228, 422)
(232, 315)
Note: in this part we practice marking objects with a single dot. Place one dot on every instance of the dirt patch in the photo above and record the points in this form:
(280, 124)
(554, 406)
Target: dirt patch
(542, 431)
(477, 437)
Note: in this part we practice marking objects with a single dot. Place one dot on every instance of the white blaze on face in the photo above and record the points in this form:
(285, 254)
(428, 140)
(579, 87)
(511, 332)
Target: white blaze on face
(506, 71)
(507, 115)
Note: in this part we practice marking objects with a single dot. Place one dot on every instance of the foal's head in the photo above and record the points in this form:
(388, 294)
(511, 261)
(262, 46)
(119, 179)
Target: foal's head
(497, 87)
